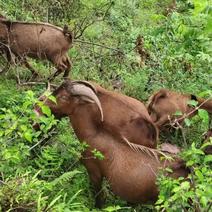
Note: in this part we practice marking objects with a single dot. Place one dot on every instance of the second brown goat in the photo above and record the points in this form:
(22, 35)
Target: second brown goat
(163, 105)
(36, 40)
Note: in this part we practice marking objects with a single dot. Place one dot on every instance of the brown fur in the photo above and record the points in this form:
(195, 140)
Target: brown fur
(164, 103)
(39, 41)
(131, 175)
(127, 116)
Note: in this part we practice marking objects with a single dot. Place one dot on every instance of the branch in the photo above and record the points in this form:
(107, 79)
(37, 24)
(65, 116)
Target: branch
(100, 45)
(2, 182)
(50, 133)
(194, 110)
(82, 29)
(35, 83)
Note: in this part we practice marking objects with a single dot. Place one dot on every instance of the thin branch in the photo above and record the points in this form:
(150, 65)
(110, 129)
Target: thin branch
(2, 182)
(51, 132)
(100, 45)
(188, 114)
(82, 29)
(35, 83)
(184, 137)
(209, 207)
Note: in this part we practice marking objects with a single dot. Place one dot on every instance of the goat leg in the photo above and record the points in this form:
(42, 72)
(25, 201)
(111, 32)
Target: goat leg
(5, 68)
(55, 74)
(9, 59)
(68, 65)
(96, 181)
(34, 73)
(99, 193)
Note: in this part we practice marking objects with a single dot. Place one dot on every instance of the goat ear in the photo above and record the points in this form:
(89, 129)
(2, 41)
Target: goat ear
(86, 99)
(67, 32)
(161, 94)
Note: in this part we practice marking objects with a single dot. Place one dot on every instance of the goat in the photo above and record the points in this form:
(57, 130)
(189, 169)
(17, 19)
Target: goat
(131, 174)
(38, 41)
(127, 115)
(165, 103)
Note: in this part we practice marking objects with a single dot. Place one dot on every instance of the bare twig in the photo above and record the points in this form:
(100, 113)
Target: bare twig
(209, 207)
(86, 19)
(191, 112)
(100, 45)
(2, 182)
(183, 135)
(35, 83)
(50, 133)
(10, 52)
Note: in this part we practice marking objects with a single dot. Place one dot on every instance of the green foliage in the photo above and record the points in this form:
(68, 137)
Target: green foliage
(97, 154)
(190, 194)
(194, 193)
(40, 170)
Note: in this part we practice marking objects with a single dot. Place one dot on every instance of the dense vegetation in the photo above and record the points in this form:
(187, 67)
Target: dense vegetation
(134, 46)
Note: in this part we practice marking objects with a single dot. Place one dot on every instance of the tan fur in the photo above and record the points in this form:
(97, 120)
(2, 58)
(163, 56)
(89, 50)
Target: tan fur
(40, 41)
(127, 115)
(165, 103)
(131, 174)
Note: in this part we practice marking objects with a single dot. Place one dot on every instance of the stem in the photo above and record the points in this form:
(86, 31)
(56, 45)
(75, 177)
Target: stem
(97, 44)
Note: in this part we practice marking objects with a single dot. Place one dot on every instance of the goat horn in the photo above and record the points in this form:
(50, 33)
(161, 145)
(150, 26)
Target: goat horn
(86, 83)
(84, 90)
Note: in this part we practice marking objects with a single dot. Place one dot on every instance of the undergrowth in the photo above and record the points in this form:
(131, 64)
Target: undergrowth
(41, 170)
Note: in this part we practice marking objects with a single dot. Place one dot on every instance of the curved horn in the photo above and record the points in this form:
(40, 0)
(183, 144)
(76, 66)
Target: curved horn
(84, 90)
(86, 83)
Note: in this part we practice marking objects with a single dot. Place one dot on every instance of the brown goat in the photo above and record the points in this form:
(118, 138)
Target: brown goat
(39, 41)
(165, 103)
(127, 115)
(131, 174)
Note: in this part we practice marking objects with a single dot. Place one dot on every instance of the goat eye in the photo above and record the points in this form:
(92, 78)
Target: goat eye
(64, 97)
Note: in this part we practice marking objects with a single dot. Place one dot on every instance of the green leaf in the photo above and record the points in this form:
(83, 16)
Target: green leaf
(53, 202)
(187, 122)
(46, 110)
(185, 185)
(208, 159)
(52, 98)
(28, 136)
(178, 113)
(199, 6)
(203, 114)
(192, 103)
(199, 175)
(112, 208)
(204, 201)
(98, 154)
